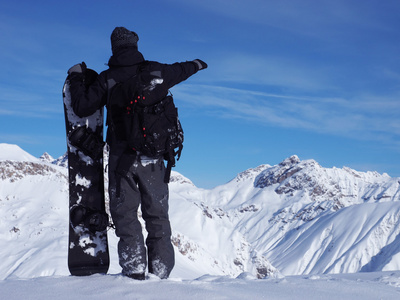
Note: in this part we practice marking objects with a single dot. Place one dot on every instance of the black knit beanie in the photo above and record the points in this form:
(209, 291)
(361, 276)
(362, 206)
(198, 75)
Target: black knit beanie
(123, 38)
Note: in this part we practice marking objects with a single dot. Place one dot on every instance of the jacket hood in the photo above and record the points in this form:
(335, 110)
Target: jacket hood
(125, 57)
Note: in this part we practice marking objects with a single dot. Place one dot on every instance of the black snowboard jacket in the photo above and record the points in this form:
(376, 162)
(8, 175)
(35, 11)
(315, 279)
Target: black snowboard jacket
(122, 65)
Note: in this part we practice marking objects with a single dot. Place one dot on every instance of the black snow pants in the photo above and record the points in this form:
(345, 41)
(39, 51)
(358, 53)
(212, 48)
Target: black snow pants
(135, 181)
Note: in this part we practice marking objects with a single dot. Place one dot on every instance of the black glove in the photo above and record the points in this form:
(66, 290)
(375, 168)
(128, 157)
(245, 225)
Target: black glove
(78, 68)
(200, 64)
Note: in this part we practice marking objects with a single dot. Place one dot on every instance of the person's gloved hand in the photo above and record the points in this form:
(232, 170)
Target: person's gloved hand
(200, 64)
(78, 68)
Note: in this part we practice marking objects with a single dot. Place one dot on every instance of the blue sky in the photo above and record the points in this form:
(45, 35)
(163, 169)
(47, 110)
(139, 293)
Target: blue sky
(319, 79)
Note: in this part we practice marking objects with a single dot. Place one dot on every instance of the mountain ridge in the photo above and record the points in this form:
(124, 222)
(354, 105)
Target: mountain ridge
(292, 218)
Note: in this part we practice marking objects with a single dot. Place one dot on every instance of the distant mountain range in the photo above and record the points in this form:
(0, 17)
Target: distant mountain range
(292, 218)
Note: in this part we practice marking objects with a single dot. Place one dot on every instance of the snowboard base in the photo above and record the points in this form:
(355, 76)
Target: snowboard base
(88, 249)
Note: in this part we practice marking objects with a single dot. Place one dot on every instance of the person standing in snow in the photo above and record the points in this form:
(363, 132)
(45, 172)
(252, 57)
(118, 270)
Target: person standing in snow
(133, 178)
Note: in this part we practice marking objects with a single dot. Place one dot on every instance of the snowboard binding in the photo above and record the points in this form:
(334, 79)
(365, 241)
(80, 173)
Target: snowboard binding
(87, 141)
(92, 219)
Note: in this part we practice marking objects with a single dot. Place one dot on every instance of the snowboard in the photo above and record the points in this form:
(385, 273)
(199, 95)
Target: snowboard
(88, 245)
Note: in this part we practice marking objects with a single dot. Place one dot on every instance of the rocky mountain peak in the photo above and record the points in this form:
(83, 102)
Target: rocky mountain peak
(177, 178)
(290, 161)
(62, 161)
(280, 172)
(46, 157)
(251, 173)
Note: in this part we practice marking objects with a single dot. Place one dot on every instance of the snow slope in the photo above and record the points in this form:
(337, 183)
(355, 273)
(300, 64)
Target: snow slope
(365, 286)
(15, 153)
(304, 219)
(294, 218)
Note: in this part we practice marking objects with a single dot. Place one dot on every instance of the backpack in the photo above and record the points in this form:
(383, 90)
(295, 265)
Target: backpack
(141, 112)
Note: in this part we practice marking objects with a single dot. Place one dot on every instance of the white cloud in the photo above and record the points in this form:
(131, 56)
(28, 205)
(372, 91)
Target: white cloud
(334, 116)
(268, 70)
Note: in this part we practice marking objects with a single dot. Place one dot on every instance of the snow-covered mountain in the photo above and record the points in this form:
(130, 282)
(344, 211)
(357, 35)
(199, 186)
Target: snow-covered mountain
(292, 218)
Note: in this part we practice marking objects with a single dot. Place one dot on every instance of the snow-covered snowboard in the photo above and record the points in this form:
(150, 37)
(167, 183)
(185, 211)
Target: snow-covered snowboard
(88, 245)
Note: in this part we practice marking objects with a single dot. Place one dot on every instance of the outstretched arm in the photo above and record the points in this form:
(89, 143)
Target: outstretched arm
(178, 72)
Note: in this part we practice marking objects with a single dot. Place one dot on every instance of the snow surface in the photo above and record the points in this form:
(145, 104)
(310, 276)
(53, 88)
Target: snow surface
(365, 286)
(14, 153)
(291, 231)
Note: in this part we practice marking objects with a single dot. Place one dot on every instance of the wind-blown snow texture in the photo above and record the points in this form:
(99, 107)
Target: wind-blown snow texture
(295, 218)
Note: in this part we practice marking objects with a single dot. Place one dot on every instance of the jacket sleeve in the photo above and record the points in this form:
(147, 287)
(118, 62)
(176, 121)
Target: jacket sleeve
(87, 95)
(178, 72)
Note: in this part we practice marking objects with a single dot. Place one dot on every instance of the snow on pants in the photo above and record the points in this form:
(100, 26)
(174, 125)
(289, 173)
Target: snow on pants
(135, 180)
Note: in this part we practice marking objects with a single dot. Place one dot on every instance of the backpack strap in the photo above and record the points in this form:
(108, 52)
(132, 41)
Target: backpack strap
(110, 84)
(171, 162)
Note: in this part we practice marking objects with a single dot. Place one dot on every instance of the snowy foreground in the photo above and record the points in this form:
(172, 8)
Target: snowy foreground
(383, 285)
(291, 231)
